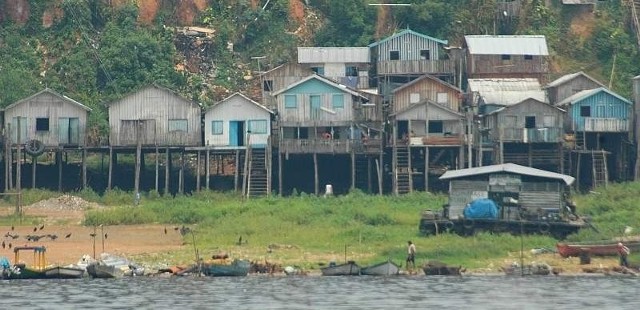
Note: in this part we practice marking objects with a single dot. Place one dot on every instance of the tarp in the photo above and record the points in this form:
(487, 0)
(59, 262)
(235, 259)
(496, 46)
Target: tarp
(4, 263)
(482, 208)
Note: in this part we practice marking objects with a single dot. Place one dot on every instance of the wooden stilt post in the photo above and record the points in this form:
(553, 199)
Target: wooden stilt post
(198, 164)
(236, 175)
(7, 161)
(353, 169)
(60, 163)
(181, 176)
(280, 173)
(369, 176)
(530, 155)
(426, 168)
(84, 168)
(34, 164)
(157, 170)
(167, 171)
(136, 184)
(19, 160)
(208, 168)
(110, 177)
(578, 171)
(315, 173)
(381, 174)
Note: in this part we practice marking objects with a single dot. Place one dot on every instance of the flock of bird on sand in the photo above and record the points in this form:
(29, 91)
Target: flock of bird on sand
(10, 235)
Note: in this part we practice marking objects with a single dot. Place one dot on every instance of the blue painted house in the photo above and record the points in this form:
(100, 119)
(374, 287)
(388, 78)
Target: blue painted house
(318, 115)
(597, 110)
(599, 126)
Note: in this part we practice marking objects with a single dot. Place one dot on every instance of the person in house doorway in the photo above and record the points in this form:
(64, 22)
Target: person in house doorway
(624, 252)
(411, 256)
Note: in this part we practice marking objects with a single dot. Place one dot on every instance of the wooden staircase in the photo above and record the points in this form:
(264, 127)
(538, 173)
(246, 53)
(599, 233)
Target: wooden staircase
(580, 143)
(600, 172)
(258, 174)
(402, 173)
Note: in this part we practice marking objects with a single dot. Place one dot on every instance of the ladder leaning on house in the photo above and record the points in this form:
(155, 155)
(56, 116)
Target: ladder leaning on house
(258, 172)
(600, 172)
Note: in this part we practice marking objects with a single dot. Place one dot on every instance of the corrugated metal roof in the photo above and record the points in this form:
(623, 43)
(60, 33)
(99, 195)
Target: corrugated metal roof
(507, 91)
(49, 91)
(324, 80)
(509, 167)
(587, 93)
(409, 31)
(242, 96)
(427, 76)
(568, 77)
(535, 45)
(333, 55)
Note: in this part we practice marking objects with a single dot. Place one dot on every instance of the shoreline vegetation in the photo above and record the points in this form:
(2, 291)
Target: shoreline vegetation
(309, 232)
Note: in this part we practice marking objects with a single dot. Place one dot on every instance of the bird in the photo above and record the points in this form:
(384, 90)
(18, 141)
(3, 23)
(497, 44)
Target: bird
(165, 230)
(105, 235)
(52, 237)
(628, 230)
(92, 235)
(35, 229)
(68, 235)
(176, 228)
(12, 227)
(9, 244)
(240, 240)
(3, 245)
(15, 236)
(42, 227)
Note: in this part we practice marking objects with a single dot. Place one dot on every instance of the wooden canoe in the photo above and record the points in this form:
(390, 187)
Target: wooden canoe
(386, 268)
(348, 269)
(594, 248)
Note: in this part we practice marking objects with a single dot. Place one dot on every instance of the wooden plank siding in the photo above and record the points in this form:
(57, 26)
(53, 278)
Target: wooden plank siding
(279, 78)
(489, 66)
(65, 120)
(575, 83)
(330, 146)
(409, 48)
(607, 112)
(451, 123)
(427, 88)
(509, 124)
(154, 108)
(236, 108)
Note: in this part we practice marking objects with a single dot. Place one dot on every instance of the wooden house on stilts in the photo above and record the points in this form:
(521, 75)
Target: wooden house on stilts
(331, 123)
(429, 133)
(148, 120)
(240, 126)
(44, 122)
(598, 124)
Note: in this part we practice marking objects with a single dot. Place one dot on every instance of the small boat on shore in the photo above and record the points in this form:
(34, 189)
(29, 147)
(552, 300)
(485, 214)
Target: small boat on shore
(237, 268)
(62, 272)
(348, 269)
(20, 270)
(539, 269)
(386, 268)
(113, 266)
(594, 248)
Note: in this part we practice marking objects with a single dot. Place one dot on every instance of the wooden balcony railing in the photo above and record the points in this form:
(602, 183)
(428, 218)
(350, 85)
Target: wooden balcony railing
(330, 146)
(606, 124)
(444, 66)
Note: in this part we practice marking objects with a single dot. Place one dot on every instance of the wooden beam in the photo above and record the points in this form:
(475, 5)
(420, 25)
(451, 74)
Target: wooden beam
(84, 168)
(34, 164)
(198, 163)
(315, 173)
(157, 180)
(208, 168)
(167, 171)
(110, 177)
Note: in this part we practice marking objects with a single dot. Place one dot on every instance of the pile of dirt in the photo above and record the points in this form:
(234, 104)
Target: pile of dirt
(63, 203)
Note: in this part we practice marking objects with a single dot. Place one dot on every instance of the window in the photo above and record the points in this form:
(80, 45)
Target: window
(585, 111)
(267, 85)
(442, 98)
(42, 124)
(178, 125)
(505, 57)
(528, 57)
(318, 70)
(290, 102)
(530, 122)
(338, 101)
(394, 55)
(258, 126)
(425, 54)
(435, 127)
(414, 97)
(351, 71)
(216, 127)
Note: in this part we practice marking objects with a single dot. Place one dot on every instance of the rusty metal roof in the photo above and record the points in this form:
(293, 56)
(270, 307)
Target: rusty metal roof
(534, 45)
(510, 168)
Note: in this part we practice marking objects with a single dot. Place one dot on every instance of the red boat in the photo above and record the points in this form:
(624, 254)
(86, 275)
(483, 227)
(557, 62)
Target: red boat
(595, 248)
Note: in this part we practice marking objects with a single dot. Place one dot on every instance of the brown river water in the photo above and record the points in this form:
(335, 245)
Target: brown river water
(316, 292)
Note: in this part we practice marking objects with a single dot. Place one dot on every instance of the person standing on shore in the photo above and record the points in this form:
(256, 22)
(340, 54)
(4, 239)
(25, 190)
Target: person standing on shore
(624, 252)
(411, 256)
